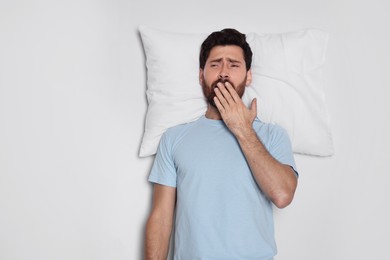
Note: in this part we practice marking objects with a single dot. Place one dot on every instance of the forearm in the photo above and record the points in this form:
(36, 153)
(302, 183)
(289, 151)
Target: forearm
(276, 180)
(157, 239)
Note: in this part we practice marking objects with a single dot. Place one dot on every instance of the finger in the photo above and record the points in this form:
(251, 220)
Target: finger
(223, 89)
(232, 92)
(219, 105)
(253, 107)
(221, 98)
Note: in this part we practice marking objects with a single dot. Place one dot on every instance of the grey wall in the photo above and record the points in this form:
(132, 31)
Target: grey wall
(72, 107)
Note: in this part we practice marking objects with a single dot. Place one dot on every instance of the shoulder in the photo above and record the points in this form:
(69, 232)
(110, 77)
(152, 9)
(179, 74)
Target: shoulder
(272, 135)
(277, 142)
(268, 129)
(176, 133)
(179, 129)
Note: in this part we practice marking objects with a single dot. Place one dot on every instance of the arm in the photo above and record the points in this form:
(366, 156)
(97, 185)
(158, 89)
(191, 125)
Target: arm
(159, 224)
(276, 180)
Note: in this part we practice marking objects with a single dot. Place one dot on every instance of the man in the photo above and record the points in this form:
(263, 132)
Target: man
(221, 173)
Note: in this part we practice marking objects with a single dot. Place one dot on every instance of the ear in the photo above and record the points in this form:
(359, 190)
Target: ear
(248, 77)
(200, 76)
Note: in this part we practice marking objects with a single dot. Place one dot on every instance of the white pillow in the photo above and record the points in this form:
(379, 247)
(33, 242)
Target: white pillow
(287, 82)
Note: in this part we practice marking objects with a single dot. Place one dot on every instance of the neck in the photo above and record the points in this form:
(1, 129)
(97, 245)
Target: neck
(213, 113)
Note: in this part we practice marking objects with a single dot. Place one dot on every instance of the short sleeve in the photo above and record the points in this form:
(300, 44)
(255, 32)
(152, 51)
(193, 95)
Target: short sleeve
(280, 148)
(163, 170)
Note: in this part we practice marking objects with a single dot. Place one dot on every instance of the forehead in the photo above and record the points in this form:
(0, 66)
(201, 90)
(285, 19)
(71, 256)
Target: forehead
(227, 51)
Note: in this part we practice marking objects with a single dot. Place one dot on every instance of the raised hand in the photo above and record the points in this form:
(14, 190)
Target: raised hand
(237, 117)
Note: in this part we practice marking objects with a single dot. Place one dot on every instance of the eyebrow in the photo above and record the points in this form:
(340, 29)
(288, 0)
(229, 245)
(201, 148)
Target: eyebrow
(229, 59)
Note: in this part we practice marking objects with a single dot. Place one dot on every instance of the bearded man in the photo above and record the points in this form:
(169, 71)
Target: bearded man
(215, 180)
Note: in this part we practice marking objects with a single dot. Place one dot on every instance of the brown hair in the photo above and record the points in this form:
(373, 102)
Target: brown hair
(223, 38)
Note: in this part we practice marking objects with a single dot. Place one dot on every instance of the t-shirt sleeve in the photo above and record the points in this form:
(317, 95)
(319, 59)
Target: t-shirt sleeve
(163, 170)
(281, 148)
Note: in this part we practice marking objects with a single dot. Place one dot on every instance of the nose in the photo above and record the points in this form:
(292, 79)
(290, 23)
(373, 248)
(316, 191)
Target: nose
(223, 74)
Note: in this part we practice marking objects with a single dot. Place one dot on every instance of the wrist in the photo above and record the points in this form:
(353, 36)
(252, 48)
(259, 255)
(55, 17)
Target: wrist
(245, 134)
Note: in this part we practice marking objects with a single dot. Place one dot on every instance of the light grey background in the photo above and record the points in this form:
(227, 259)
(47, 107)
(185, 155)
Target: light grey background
(72, 107)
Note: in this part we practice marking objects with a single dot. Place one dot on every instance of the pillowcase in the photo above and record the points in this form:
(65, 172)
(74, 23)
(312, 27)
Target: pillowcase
(286, 80)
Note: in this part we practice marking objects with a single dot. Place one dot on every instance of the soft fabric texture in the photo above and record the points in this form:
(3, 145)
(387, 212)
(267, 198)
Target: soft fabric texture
(220, 211)
(287, 81)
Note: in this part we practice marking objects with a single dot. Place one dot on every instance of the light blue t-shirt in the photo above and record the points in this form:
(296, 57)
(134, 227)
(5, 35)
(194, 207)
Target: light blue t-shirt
(221, 213)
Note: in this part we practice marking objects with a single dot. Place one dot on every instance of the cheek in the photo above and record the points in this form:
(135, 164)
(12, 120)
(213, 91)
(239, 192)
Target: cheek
(210, 77)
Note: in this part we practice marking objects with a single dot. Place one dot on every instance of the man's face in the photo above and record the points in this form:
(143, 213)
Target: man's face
(224, 64)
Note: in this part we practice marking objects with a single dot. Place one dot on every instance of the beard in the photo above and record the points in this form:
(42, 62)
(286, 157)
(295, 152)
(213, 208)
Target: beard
(208, 90)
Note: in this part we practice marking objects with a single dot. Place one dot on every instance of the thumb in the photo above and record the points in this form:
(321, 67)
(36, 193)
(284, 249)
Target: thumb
(253, 107)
